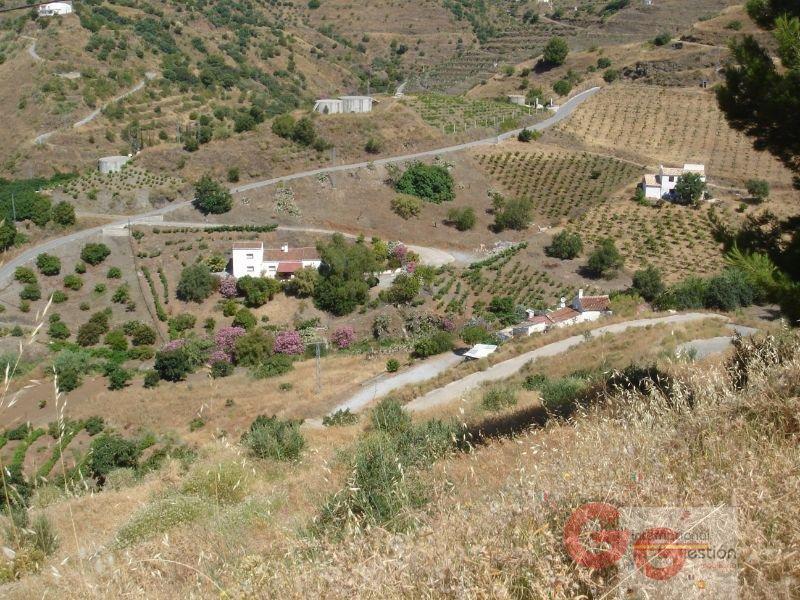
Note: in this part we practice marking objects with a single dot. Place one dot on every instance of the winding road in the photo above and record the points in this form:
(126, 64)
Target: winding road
(7, 270)
(502, 370)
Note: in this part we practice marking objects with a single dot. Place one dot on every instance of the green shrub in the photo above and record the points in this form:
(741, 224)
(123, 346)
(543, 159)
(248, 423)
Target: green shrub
(73, 282)
(151, 379)
(161, 515)
(406, 206)
(560, 396)
(462, 218)
(498, 398)
(196, 283)
(275, 365)
(476, 334)
(270, 437)
(373, 146)
(94, 253)
(225, 483)
(340, 418)
(48, 264)
(114, 273)
(210, 197)
(392, 365)
(513, 214)
(430, 182)
(173, 365)
(562, 87)
(662, 39)
(31, 291)
(758, 189)
(94, 425)
(439, 342)
(648, 284)
(24, 275)
(606, 260)
(59, 297)
(534, 381)
(112, 451)
(221, 368)
(118, 378)
(64, 214)
(566, 245)
(555, 52)
(390, 417)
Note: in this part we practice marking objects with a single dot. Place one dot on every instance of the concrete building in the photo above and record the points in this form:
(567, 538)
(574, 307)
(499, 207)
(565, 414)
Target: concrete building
(112, 164)
(55, 8)
(517, 99)
(328, 106)
(344, 104)
(582, 310)
(251, 258)
(660, 185)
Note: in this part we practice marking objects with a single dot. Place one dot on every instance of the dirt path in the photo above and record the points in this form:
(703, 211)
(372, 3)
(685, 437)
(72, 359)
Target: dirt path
(502, 370)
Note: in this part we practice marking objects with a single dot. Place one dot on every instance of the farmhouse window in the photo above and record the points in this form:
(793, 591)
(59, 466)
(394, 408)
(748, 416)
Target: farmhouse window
(250, 255)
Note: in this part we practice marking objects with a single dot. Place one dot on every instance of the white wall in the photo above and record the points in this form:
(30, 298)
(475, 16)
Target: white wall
(248, 261)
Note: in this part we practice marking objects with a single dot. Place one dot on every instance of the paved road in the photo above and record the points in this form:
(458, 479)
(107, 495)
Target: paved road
(40, 139)
(8, 268)
(703, 348)
(502, 370)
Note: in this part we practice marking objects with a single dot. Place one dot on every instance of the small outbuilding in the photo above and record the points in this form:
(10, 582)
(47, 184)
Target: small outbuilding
(328, 106)
(479, 351)
(112, 164)
(52, 9)
(517, 99)
(344, 104)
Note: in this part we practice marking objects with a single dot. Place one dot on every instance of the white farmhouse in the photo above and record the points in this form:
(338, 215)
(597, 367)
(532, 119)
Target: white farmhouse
(55, 8)
(582, 310)
(251, 258)
(344, 104)
(659, 185)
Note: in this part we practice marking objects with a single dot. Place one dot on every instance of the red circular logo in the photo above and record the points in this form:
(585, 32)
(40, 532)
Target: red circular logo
(658, 544)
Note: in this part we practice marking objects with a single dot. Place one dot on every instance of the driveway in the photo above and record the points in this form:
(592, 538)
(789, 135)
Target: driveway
(702, 348)
(502, 370)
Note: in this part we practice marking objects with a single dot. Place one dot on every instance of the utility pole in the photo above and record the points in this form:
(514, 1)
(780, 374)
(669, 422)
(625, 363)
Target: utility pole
(13, 207)
(318, 368)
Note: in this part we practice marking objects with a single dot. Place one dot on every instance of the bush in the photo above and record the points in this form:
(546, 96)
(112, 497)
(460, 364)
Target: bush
(31, 291)
(758, 189)
(528, 135)
(514, 214)
(24, 275)
(560, 396)
(662, 39)
(94, 425)
(80, 268)
(270, 437)
(603, 62)
(94, 254)
(475, 334)
(118, 378)
(372, 146)
(430, 182)
(151, 379)
(221, 368)
(58, 331)
(116, 340)
(390, 417)
(225, 483)
(64, 214)
(253, 348)
(89, 333)
(112, 451)
(114, 273)
(610, 75)
(406, 206)
(404, 289)
(273, 366)
(303, 283)
(392, 365)
(48, 264)
(562, 87)
(283, 126)
(73, 282)
(173, 365)
(233, 174)
(441, 341)
(606, 260)
(340, 418)
(343, 337)
(257, 290)
(289, 342)
(462, 218)
(143, 335)
(498, 398)
(210, 197)
(555, 52)
(688, 294)
(196, 283)
(648, 284)
(728, 291)
(160, 515)
(244, 319)
(566, 245)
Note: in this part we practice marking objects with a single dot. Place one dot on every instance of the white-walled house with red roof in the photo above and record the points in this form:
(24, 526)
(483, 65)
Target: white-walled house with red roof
(583, 309)
(251, 258)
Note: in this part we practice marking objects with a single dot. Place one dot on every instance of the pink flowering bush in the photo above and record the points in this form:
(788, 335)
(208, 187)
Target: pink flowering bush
(219, 356)
(174, 344)
(343, 337)
(399, 252)
(446, 324)
(227, 287)
(289, 342)
(410, 266)
(225, 338)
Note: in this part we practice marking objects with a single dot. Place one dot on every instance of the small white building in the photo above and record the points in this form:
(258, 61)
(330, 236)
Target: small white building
(659, 185)
(582, 310)
(112, 164)
(479, 351)
(344, 104)
(55, 8)
(517, 99)
(251, 258)
(328, 106)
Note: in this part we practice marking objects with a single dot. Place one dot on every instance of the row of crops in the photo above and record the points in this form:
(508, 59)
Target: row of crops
(129, 179)
(456, 114)
(559, 185)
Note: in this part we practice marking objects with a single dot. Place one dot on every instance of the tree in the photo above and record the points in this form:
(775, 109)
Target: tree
(566, 245)
(555, 52)
(257, 290)
(48, 264)
(244, 319)
(253, 348)
(94, 254)
(525, 135)
(514, 214)
(606, 260)
(689, 188)
(64, 213)
(112, 451)
(210, 197)
(283, 126)
(143, 335)
(728, 291)
(58, 330)
(8, 234)
(662, 39)
(173, 365)
(404, 289)
(430, 182)
(303, 283)
(196, 283)
(436, 343)
(343, 275)
(562, 87)
(648, 283)
(406, 206)
(24, 275)
(89, 333)
(758, 189)
(505, 310)
(462, 218)
(303, 132)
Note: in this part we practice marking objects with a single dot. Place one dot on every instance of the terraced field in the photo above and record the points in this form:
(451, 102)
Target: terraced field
(677, 239)
(455, 114)
(561, 185)
(672, 127)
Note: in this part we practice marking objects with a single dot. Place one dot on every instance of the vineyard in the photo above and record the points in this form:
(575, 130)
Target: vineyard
(453, 114)
(683, 125)
(676, 239)
(559, 184)
(509, 273)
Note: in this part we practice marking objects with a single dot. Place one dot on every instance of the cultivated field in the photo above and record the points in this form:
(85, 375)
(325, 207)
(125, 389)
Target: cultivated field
(561, 185)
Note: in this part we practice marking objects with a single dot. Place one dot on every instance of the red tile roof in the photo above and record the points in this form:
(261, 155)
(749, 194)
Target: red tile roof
(595, 303)
(562, 314)
(276, 254)
(289, 266)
